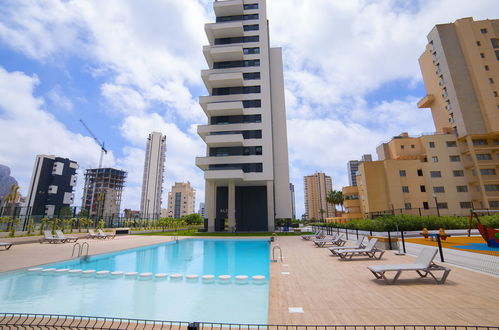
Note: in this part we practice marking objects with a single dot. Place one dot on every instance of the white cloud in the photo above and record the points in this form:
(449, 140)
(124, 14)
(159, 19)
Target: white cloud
(56, 96)
(28, 130)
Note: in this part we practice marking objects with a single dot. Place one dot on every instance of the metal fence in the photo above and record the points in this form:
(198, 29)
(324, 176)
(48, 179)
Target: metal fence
(51, 321)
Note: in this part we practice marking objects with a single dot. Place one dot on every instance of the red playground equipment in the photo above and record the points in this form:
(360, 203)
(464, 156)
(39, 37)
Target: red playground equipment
(489, 234)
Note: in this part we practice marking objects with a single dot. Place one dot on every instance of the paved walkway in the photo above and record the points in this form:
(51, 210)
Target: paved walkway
(330, 291)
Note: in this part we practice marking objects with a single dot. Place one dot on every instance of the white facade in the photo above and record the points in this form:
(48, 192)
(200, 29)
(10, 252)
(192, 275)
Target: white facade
(152, 182)
(181, 200)
(246, 166)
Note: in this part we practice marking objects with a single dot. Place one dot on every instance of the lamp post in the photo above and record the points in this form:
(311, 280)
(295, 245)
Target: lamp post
(436, 204)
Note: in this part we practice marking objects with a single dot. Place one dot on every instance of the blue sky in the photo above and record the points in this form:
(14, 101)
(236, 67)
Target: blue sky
(127, 68)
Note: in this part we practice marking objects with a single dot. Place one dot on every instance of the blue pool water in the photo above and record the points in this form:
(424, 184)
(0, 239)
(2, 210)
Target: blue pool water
(477, 246)
(166, 299)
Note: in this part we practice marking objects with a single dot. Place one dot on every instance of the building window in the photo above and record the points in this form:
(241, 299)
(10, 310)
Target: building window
(442, 205)
(431, 144)
(235, 64)
(483, 156)
(236, 90)
(402, 173)
(251, 75)
(401, 147)
(486, 68)
(492, 187)
(420, 172)
(494, 204)
(462, 188)
(237, 119)
(236, 18)
(407, 206)
(478, 43)
(487, 171)
(413, 146)
(483, 30)
(466, 205)
(495, 42)
(434, 159)
(236, 40)
(495, 93)
(435, 174)
(252, 27)
(426, 206)
(497, 54)
(422, 188)
(405, 189)
(454, 158)
(479, 142)
(482, 55)
(252, 104)
(451, 144)
(251, 50)
(438, 189)
(491, 81)
(250, 6)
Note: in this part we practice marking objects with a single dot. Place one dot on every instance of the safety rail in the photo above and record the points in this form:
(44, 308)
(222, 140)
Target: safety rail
(50, 321)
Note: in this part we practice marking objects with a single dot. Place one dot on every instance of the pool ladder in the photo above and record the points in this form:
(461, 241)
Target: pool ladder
(276, 247)
(81, 248)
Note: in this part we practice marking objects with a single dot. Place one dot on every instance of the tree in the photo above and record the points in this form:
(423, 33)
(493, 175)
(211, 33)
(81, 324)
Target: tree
(11, 199)
(83, 213)
(193, 219)
(66, 212)
(335, 197)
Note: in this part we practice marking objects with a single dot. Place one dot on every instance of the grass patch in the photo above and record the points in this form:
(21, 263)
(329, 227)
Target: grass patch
(196, 233)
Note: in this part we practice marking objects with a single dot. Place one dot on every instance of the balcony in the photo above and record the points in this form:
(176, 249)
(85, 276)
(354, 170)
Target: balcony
(229, 140)
(223, 53)
(351, 203)
(205, 130)
(217, 80)
(426, 101)
(224, 175)
(223, 108)
(204, 162)
(223, 30)
(228, 7)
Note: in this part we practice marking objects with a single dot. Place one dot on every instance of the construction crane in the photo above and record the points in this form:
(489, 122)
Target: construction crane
(102, 148)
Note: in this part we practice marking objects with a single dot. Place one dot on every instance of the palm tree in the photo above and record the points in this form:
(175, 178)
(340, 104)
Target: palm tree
(335, 197)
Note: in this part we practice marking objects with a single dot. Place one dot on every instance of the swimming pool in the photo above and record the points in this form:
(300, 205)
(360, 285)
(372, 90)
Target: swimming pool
(150, 297)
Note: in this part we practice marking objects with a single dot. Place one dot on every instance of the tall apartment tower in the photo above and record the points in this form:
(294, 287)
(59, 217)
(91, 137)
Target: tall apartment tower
(353, 168)
(152, 182)
(51, 186)
(246, 166)
(460, 68)
(181, 200)
(317, 187)
(102, 191)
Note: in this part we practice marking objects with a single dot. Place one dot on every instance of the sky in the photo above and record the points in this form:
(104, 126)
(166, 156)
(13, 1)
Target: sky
(127, 68)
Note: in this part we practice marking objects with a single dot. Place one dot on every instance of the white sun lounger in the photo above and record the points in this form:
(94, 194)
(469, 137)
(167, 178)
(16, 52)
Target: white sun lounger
(69, 239)
(423, 265)
(358, 245)
(369, 251)
(105, 235)
(317, 235)
(333, 240)
(92, 234)
(47, 237)
(6, 246)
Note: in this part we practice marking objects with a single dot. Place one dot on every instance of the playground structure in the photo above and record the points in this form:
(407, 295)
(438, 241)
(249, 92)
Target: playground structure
(489, 234)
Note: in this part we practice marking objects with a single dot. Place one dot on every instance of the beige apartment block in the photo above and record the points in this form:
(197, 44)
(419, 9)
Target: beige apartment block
(413, 174)
(316, 188)
(351, 203)
(181, 200)
(460, 69)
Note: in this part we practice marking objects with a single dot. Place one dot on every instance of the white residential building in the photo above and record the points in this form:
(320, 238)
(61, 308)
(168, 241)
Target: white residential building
(152, 182)
(246, 166)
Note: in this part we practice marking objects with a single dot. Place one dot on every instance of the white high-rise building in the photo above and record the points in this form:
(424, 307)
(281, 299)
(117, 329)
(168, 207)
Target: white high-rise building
(246, 166)
(152, 182)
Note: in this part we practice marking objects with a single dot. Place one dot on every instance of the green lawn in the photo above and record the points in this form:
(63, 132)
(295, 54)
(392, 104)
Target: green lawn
(196, 233)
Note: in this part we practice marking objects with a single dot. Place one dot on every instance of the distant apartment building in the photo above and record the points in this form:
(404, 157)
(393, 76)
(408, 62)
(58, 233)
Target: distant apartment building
(317, 186)
(419, 175)
(202, 210)
(51, 186)
(246, 166)
(351, 203)
(102, 191)
(181, 200)
(152, 181)
(460, 68)
(293, 205)
(353, 168)
(6, 183)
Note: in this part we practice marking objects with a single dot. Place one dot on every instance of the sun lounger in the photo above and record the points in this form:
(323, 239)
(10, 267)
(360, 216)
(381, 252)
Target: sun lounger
(92, 234)
(6, 246)
(69, 239)
(333, 240)
(423, 265)
(47, 237)
(319, 234)
(358, 245)
(105, 235)
(369, 251)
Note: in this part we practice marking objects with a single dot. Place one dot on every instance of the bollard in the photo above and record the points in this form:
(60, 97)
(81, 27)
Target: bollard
(389, 240)
(403, 240)
(440, 248)
(193, 326)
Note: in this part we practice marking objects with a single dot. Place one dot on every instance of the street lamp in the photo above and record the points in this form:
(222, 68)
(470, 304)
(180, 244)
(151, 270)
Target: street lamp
(436, 204)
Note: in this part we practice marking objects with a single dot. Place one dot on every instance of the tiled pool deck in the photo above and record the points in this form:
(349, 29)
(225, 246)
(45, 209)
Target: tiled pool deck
(312, 287)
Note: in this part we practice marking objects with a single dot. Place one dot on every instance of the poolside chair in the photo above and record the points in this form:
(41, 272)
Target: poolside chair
(70, 239)
(47, 237)
(5, 246)
(423, 265)
(105, 235)
(369, 251)
(92, 234)
(317, 235)
(358, 245)
(333, 240)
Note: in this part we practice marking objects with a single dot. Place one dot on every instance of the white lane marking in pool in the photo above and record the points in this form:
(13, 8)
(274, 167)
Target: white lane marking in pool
(224, 277)
(75, 271)
(191, 277)
(35, 269)
(241, 277)
(131, 274)
(176, 276)
(102, 272)
(90, 271)
(295, 310)
(161, 275)
(46, 270)
(118, 273)
(285, 273)
(258, 277)
(208, 277)
(145, 274)
(62, 270)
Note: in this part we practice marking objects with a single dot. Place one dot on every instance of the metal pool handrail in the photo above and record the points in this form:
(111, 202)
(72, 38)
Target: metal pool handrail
(46, 321)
